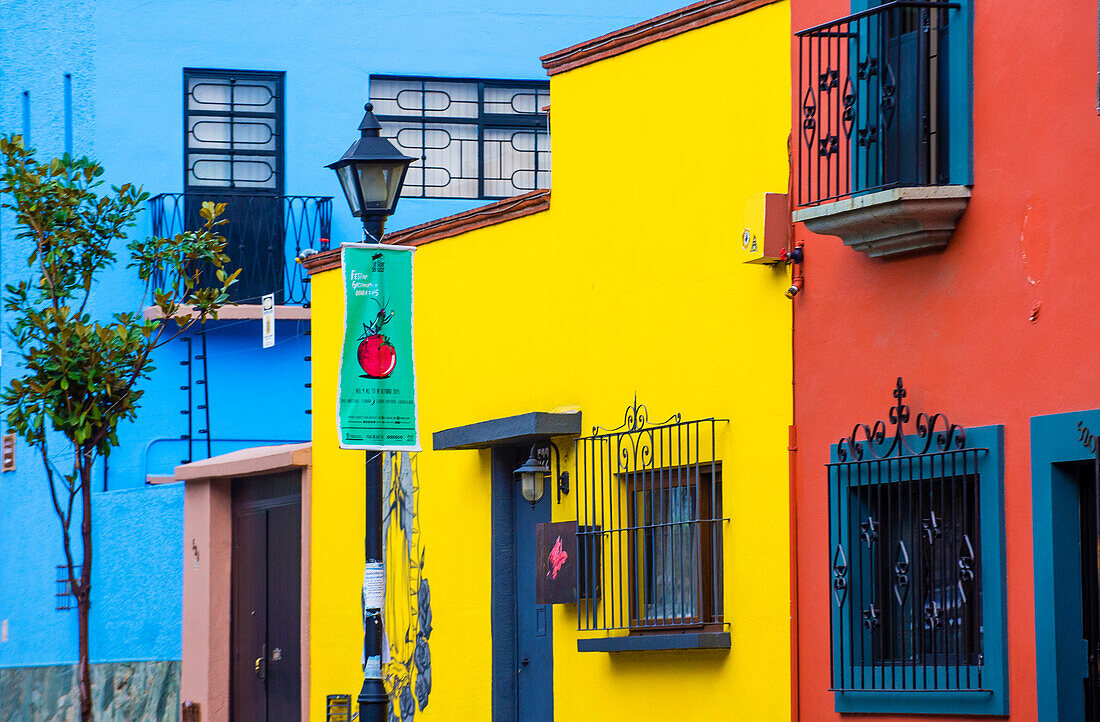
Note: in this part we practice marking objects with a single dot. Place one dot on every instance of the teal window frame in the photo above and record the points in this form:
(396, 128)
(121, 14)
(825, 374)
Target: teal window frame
(1060, 652)
(988, 443)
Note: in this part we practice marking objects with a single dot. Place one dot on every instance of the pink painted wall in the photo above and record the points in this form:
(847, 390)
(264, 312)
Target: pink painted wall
(207, 529)
(999, 327)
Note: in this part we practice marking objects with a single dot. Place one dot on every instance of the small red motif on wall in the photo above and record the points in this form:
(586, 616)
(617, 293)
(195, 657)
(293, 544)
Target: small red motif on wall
(557, 559)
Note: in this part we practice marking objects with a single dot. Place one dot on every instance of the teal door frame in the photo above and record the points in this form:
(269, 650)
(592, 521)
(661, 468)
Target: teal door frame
(1061, 655)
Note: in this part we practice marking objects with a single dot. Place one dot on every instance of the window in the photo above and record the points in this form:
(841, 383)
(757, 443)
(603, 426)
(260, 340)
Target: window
(233, 147)
(916, 553)
(676, 563)
(649, 518)
(233, 130)
(472, 138)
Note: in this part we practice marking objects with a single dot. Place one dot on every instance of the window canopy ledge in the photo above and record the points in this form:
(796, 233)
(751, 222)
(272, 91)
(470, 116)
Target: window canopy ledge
(656, 642)
(891, 222)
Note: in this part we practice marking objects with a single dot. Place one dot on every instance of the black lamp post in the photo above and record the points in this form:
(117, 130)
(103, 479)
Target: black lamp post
(371, 173)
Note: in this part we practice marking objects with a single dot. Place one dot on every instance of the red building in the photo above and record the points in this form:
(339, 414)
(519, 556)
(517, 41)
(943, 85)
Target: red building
(946, 167)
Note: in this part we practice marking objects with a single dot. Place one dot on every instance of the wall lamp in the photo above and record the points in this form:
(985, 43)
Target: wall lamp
(533, 473)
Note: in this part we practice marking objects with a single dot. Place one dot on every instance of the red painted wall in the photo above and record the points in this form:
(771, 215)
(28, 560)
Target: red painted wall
(957, 325)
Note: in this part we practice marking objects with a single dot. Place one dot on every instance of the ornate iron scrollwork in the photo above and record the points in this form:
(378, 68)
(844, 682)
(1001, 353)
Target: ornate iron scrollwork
(871, 618)
(966, 568)
(867, 68)
(809, 122)
(866, 439)
(840, 576)
(901, 573)
(636, 418)
(848, 99)
(868, 531)
(828, 145)
(933, 615)
(932, 527)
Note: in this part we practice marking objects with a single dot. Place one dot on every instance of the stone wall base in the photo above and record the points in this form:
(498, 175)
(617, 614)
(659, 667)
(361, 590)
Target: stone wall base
(121, 692)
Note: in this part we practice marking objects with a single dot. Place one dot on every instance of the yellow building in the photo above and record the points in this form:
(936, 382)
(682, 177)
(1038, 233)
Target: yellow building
(540, 320)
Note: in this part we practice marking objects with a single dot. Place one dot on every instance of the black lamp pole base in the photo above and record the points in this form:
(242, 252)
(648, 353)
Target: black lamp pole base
(373, 701)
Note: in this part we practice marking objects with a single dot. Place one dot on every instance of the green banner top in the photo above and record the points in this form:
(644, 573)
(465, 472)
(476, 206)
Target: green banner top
(376, 408)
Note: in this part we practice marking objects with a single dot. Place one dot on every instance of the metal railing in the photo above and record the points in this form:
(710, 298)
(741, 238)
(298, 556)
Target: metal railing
(905, 557)
(264, 235)
(649, 525)
(874, 101)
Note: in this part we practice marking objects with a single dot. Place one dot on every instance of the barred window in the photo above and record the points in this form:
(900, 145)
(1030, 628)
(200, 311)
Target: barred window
(675, 560)
(233, 130)
(916, 563)
(480, 139)
(650, 526)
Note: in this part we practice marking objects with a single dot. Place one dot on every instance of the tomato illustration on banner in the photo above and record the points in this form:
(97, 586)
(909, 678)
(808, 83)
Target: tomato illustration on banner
(376, 408)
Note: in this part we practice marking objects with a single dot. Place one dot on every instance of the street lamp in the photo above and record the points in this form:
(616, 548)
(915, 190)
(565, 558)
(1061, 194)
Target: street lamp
(371, 173)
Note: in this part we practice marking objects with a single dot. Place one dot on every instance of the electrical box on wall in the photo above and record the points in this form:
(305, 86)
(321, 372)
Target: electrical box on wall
(767, 223)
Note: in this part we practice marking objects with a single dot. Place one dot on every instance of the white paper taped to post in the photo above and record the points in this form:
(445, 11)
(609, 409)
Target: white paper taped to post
(374, 585)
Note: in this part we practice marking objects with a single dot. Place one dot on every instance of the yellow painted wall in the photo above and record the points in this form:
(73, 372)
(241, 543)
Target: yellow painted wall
(630, 283)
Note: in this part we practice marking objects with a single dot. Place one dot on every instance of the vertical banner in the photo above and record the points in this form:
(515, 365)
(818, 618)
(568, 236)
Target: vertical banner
(376, 408)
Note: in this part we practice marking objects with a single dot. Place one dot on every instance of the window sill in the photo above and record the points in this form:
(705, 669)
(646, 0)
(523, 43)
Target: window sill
(656, 642)
(891, 222)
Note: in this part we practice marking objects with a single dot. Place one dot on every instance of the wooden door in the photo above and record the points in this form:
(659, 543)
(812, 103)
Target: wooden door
(265, 667)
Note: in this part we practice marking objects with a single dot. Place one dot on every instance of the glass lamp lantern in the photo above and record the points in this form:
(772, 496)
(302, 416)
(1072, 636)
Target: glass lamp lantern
(532, 478)
(371, 173)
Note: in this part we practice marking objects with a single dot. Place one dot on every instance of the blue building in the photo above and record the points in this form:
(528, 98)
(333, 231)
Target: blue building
(245, 102)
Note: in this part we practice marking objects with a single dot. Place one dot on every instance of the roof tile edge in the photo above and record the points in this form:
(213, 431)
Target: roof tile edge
(649, 31)
(487, 215)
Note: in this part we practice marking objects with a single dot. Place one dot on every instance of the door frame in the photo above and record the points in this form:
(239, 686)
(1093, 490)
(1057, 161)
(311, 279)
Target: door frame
(1058, 440)
(504, 605)
(207, 577)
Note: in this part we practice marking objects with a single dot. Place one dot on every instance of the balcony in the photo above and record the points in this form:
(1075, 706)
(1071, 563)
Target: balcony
(264, 235)
(884, 144)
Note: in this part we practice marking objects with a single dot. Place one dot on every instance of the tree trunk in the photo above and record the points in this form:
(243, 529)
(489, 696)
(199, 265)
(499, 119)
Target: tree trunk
(83, 599)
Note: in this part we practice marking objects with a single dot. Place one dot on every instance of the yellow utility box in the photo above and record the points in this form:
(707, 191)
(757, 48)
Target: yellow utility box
(767, 225)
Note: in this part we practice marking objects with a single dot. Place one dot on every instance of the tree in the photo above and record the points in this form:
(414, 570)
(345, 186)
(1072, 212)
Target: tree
(78, 377)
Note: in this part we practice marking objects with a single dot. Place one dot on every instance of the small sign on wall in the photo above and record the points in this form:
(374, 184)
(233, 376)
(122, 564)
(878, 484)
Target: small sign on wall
(556, 551)
(269, 320)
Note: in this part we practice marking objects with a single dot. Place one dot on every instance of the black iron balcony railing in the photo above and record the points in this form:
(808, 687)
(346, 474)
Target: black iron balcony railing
(874, 101)
(264, 235)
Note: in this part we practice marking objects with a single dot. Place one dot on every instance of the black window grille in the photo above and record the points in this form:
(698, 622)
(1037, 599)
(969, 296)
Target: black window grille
(905, 557)
(649, 518)
(875, 97)
(63, 592)
(233, 130)
(472, 138)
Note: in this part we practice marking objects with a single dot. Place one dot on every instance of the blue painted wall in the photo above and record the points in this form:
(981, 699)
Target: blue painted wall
(126, 59)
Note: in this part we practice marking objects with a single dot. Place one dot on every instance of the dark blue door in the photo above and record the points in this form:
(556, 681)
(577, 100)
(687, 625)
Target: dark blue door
(523, 657)
(534, 643)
